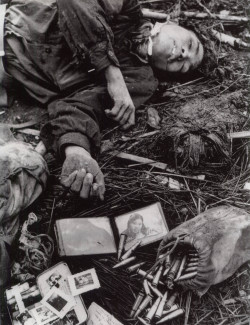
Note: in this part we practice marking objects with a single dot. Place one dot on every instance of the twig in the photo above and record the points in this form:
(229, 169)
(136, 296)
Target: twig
(202, 15)
(191, 193)
(230, 40)
(187, 307)
(200, 320)
(185, 84)
(51, 216)
(147, 13)
(205, 8)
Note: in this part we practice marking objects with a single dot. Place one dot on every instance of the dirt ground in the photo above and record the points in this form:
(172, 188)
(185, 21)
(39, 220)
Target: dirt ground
(196, 114)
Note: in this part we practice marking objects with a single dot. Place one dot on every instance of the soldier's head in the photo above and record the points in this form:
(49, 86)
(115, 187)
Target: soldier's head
(174, 48)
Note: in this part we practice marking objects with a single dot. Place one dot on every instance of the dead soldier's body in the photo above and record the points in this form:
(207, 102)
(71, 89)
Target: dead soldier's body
(89, 61)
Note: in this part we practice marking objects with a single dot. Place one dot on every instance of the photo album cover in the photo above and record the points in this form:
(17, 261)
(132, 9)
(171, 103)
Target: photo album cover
(100, 235)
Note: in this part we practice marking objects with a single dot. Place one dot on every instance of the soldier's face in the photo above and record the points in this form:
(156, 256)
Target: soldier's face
(176, 49)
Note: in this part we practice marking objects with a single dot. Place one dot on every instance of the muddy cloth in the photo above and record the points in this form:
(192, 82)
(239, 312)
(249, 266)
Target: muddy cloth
(221, 237)
(23, 177)
(50, 49)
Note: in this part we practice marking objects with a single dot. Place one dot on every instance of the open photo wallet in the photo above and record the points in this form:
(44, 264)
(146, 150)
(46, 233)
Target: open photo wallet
(100, 235)
(24, 299)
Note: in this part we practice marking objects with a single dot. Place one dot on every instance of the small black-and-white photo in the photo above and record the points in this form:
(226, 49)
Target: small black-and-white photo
(58, 302)
(83, 282)
(43, 315)
(53, 280)
(25, 318)
(69, 319)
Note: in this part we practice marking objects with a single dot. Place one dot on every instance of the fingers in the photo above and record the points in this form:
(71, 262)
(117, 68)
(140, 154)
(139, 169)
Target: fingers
(77, 184)
(68, 180)
(121, 112)
(94, 190)
(86, 186)
(101, 185)
(117, 109)
(86, 181)
(130, 122)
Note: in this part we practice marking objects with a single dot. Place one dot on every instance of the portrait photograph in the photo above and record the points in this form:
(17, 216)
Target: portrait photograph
(58, 302)
(69, 319)
(146, 225)
(83, 282)
(43, 315)
(25, 318)
(53, 280)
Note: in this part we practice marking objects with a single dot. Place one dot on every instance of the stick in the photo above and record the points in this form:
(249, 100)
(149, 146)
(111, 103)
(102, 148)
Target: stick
(187, 307)
(29, 132)
(239, 135)
(147, 13)
(205, 8)
(230, 40)
(142, 160)
(202, 15)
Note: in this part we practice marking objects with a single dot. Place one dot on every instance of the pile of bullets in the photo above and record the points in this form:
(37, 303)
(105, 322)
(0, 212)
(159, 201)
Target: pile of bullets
(157, 300)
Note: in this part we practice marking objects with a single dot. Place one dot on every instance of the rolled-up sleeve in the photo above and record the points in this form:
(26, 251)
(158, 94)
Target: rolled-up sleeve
(87, 32)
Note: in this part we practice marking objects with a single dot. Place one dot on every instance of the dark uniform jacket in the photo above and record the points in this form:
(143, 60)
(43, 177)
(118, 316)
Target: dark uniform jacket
(58, 50)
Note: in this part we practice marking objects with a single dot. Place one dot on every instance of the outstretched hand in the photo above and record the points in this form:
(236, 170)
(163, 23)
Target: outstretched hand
(82, 174)
(123, 110)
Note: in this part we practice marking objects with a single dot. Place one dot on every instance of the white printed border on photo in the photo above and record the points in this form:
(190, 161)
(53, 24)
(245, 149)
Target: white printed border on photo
(88, 287)
(69, 305)
(38, 318)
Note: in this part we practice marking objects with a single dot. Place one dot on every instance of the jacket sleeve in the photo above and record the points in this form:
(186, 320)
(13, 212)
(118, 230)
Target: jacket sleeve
(77, 119)
(87, 32)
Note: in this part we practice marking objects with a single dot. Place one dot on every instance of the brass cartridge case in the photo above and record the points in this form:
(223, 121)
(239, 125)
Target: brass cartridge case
(137, 303)
(145, 275)
(170, 316)
(121, 245)
(160, 308)
(130, 251)
(187, 276)
(146, 286)
(172, 272)
(125, 262)
(173, 308)
(133, 268)
(153, 310)
(155, 291)
(171, 300)
(143, 305)
(183, 262)
(190, 269)
(157, 276)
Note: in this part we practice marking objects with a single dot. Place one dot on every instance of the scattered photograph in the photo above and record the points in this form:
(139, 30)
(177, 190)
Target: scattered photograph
(86, 236)
(53, 280)
(25, 318)
(43, 315)
(83, 282)
(146, 225)
(69, 319)
(58, 302)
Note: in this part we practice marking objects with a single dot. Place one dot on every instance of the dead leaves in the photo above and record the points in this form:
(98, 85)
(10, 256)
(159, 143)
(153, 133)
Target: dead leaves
(153, 119)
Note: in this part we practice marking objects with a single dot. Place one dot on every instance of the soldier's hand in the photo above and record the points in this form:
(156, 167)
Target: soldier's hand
(82, 174)
(123, 110)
